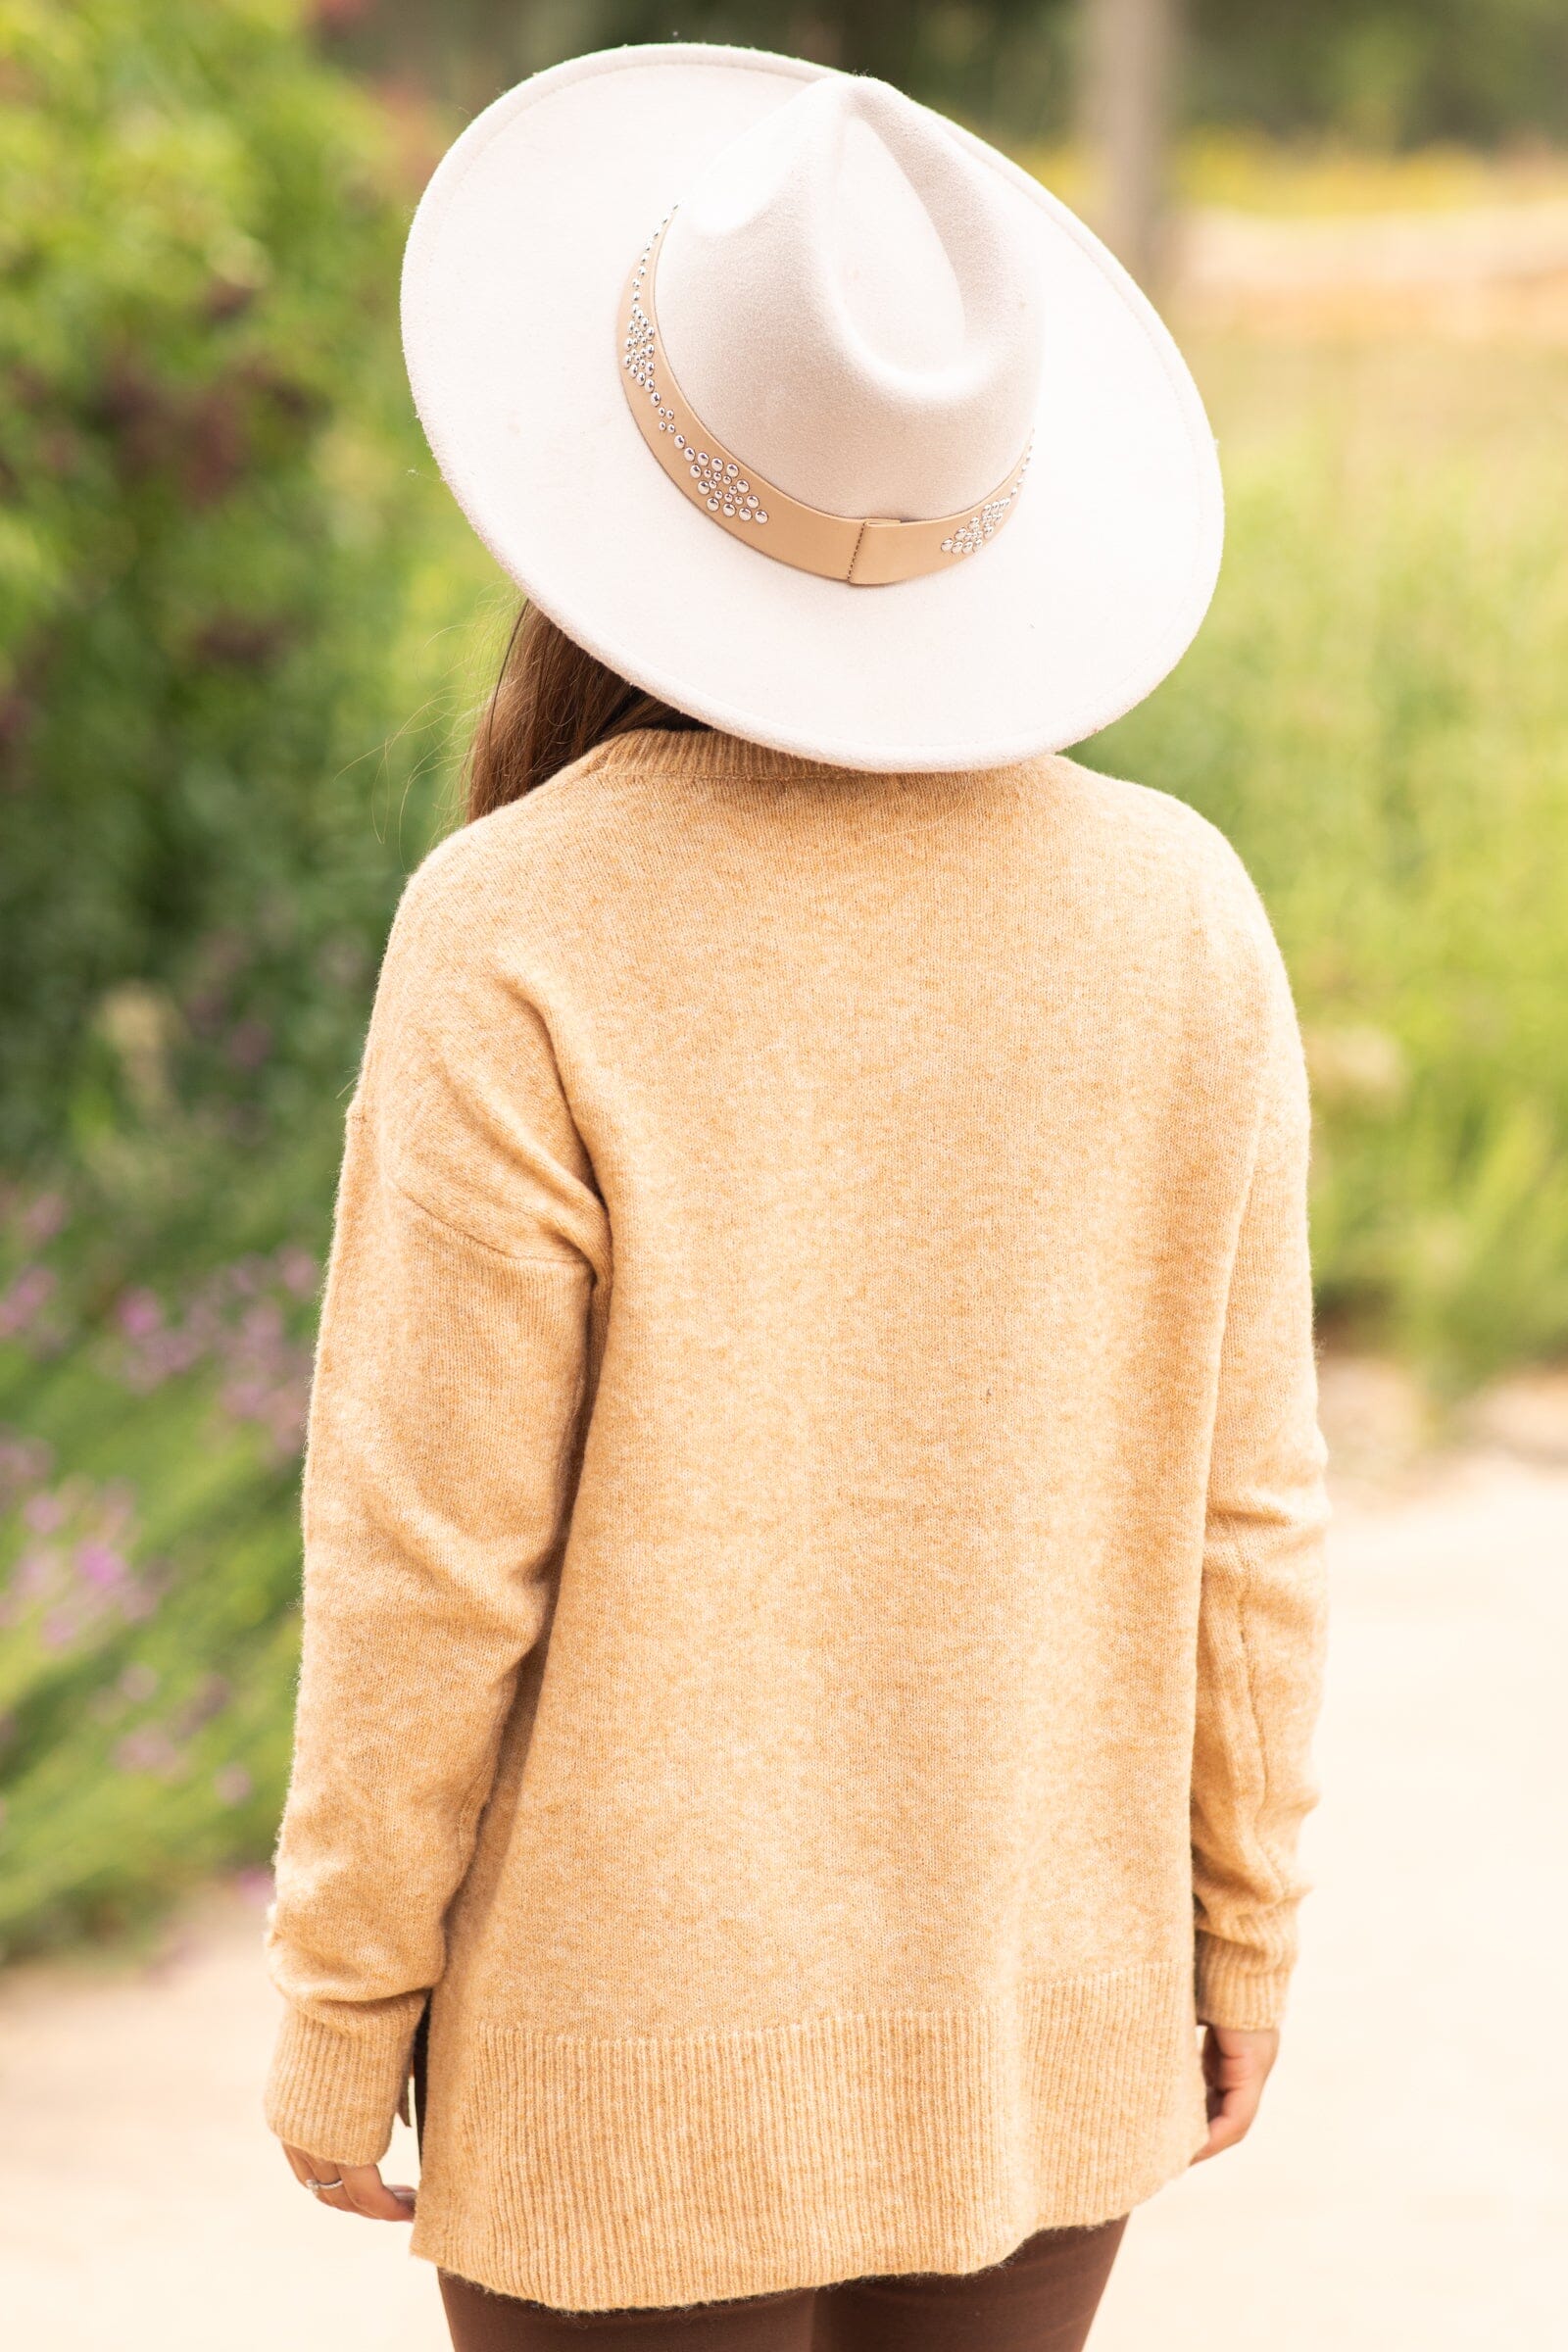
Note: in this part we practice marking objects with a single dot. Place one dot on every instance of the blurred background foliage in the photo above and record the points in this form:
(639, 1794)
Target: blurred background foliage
(242, 628)
(1396, 72)
(222, 681)
(203, 551)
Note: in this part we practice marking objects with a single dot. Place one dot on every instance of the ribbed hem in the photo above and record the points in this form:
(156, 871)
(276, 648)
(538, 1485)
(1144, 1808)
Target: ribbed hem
(334, 2093)
(1233, 1990)
(595, 2174)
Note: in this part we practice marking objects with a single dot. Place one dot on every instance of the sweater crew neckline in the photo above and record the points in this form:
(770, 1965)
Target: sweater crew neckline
(709, 755)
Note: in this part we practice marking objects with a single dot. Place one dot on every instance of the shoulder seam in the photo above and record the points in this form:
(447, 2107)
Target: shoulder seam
(510, 1257)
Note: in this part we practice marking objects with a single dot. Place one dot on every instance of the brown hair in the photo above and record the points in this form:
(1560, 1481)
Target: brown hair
(550, 703)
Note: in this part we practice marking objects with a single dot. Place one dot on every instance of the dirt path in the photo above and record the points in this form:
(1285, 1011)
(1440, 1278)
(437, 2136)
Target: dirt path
(1409, 2184)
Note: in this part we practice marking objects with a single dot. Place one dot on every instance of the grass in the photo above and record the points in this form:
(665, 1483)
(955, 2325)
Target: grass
(1377, 714)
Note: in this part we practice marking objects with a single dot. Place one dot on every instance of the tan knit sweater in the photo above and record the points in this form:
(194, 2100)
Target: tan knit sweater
(812, 1524)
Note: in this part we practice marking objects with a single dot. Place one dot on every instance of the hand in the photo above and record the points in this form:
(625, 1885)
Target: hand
(360, 2187)
(1236, 2067)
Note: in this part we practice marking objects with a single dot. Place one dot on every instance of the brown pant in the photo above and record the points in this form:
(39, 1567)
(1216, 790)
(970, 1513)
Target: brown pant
(1041, 2298)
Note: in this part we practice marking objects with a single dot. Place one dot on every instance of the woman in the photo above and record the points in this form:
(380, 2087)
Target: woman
(813, 1498)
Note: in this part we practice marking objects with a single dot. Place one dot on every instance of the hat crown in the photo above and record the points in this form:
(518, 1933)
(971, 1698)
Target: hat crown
(845, 298)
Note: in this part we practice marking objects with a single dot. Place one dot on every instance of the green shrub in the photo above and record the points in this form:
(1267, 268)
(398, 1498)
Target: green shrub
(224, 559)
(205, 544)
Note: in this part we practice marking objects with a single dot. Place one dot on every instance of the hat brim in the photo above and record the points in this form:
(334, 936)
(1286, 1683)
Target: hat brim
(510, 321)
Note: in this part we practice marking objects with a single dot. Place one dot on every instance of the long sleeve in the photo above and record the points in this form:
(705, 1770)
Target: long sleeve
(1263, 1614)
(451, 1366)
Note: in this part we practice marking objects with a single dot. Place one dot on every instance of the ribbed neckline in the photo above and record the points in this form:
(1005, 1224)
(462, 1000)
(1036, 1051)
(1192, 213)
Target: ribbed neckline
(716, 757)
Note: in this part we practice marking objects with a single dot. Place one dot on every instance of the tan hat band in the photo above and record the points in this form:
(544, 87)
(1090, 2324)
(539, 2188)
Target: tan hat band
(867, 551)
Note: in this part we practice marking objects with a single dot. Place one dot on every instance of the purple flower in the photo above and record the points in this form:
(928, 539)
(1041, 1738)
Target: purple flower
(22, 1303)
(148, 1748)
(99, 1565)
(60, 1628)
(235, 1321)
(44, 1216)
(44, 1512)
(297, 1270)
(263, 1323)
(139, 1313)
(233, 1784)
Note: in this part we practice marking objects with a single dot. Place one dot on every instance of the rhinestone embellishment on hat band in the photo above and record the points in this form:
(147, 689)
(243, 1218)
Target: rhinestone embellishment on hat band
(721, 487)
(863, 550)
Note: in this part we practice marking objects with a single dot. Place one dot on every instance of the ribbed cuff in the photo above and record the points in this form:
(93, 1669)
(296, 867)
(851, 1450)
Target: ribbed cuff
(1234, 1989)
(336, 2093)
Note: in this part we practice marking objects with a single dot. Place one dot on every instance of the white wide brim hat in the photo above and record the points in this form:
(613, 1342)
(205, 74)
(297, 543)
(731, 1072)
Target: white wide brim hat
(1030, 637)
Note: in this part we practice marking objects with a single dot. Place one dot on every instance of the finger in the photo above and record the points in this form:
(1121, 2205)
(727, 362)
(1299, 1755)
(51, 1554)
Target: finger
(368, 2193)
(321, 2168)
(330, 2191)
(309, 2168)
(1231, 2069)
(356, 2188)
(1232, 2112)
(1224, 2131)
